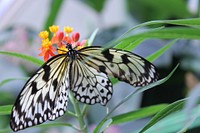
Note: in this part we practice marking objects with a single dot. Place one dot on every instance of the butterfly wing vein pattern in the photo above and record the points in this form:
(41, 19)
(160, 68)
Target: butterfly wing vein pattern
(84, 72)
(44, 96)
(120, 64)
(89, 85)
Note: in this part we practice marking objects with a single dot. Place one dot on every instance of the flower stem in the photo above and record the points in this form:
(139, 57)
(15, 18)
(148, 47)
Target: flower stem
(79, 114)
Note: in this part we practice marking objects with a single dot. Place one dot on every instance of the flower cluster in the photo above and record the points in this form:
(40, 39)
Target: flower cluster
(60, 39)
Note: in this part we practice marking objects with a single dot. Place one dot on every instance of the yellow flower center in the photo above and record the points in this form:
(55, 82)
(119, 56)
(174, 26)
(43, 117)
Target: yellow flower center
(54, 28)
(46, 43)
(44, 34)
(68, 29)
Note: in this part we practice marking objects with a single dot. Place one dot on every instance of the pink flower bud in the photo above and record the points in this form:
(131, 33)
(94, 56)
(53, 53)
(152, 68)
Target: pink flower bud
(83, 42)
(60, 35)
(75, 36)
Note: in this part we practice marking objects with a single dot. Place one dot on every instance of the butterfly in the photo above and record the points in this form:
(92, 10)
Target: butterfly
(85, 73)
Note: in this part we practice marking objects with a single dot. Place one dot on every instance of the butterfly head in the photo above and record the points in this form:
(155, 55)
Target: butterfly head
(68, 45)
(71, 52)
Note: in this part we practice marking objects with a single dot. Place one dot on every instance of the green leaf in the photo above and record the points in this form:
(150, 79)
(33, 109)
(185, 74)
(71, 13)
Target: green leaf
(53, 13)
(144, 10)
(139, 90)
(161, 51)
(165, 33)
(178, 122)
(8, 130)
(129, 45)
(105, 125)
(194, 22)
(137, 114)
(24, 57)
(170, 33)
(5, 110)
(95, 4)
(92, 37)
(51, 124)
(163, 113)
(11, 79)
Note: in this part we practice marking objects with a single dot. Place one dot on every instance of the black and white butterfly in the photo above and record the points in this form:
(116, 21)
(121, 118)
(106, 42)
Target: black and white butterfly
(85, 73)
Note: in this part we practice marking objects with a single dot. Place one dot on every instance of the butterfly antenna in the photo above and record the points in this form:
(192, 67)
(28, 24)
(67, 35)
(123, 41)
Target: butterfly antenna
(61, 50)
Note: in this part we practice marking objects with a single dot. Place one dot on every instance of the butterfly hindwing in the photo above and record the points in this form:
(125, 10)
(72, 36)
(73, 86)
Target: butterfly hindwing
(120, 64)
(89, 85)
(44, 96)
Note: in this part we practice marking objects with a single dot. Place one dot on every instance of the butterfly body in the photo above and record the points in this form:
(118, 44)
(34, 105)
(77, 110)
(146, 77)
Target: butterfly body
(72, 53)
(85, 73)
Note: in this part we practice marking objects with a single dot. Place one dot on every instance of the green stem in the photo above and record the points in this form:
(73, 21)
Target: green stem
(53, 12)
(79, 114)
(85, 109)
(70, 113)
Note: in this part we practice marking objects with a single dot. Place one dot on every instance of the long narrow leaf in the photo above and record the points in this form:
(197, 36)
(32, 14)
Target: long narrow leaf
(161, 51)
(24, 57)
(127, 45)
(137, 114)
(163, 113)
(5, 110)
(193, 22)
(51, 124)
(53, 13)
(170, 33)
(92, 37)
(179, 122)
(10, 79)
(7, 130)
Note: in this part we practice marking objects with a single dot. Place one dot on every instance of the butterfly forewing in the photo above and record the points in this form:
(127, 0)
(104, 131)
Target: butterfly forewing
(44, 96)
(120, 64)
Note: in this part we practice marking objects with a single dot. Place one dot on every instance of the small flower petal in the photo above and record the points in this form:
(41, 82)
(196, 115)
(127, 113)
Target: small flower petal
(67, 39)
(54, 28)
(75, 36)
(60, 35)
(68, 29)
(54, 40)
(44, 34)
(46, 43)
(46, 57)
(83, 42)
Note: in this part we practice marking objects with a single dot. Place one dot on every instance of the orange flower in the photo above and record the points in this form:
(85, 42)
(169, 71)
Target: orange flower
(61, 39)
(47, 49)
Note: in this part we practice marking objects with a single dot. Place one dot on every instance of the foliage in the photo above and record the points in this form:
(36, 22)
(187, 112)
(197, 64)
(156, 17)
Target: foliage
(156, 10)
